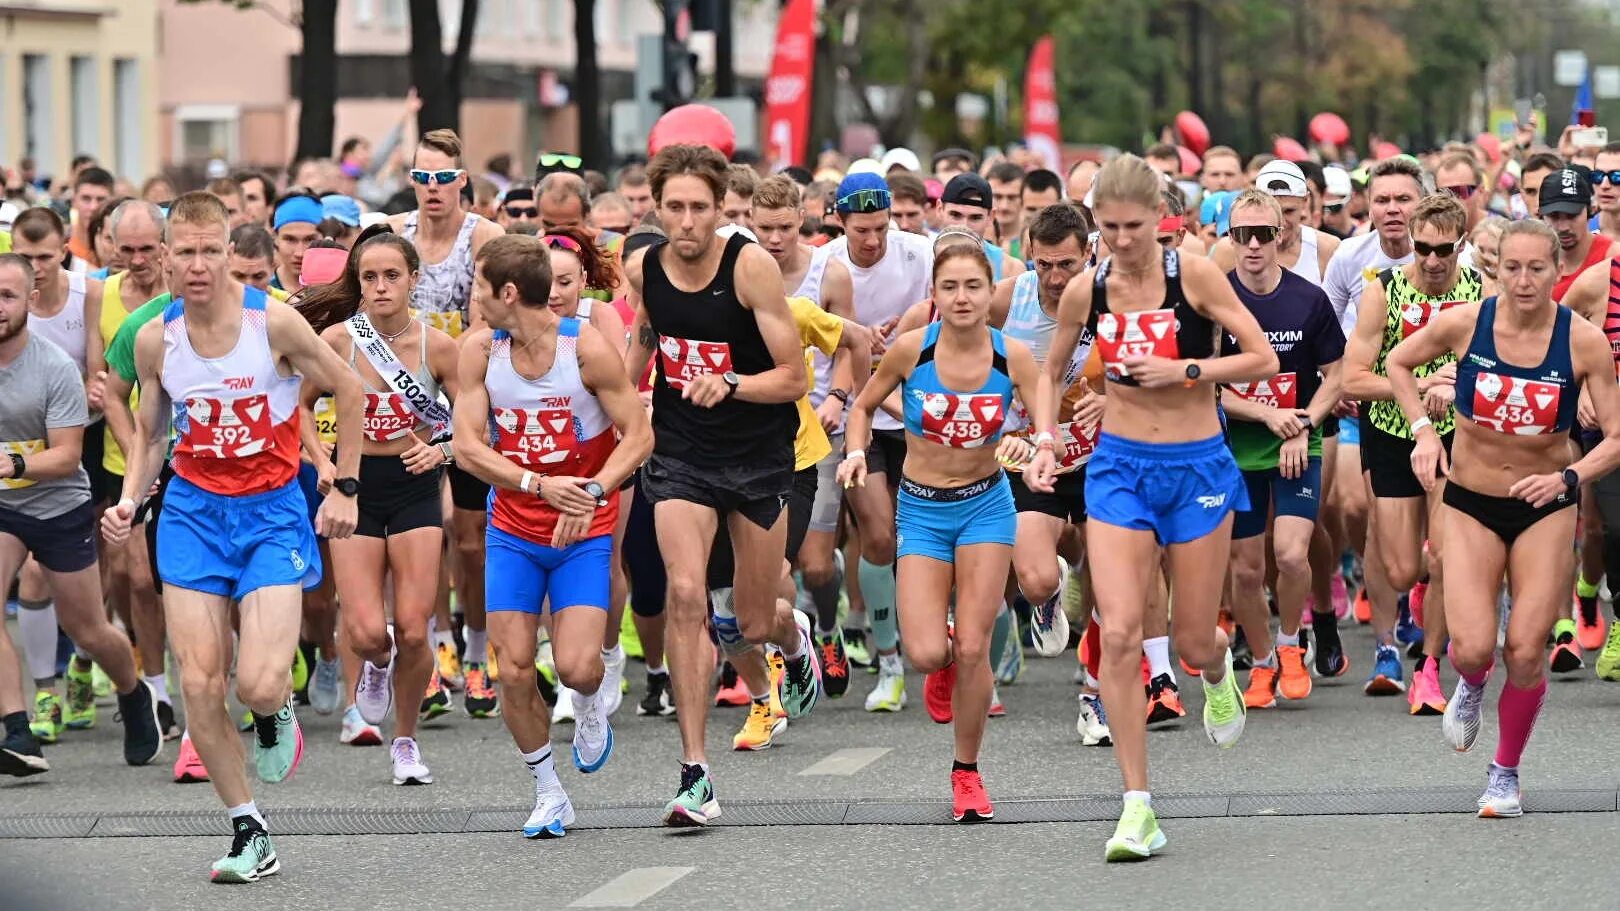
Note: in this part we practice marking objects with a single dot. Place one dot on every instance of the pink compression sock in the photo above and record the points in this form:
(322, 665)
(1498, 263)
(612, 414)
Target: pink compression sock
(1516, 713)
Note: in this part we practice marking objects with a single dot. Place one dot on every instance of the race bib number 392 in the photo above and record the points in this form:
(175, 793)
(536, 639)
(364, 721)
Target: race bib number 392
(687, 359)
(963, 421)
(228, 428)
(1142, 334)
(534, 437)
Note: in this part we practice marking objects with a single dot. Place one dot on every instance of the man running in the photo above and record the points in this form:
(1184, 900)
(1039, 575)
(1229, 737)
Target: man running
(92, 187)
(234, 527)
(1606, 190)
(968, 201)
(296, 220)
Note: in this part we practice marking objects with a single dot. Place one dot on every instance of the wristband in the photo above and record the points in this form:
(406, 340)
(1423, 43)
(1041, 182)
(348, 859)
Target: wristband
(131, 502)
(528, 478)
(1045, 440)
(1421, 423)
(855, 454)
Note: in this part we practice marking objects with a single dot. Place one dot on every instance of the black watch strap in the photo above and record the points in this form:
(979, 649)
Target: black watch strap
(19, 466)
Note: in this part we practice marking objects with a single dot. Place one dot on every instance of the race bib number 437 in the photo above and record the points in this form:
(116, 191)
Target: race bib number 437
(534, 437)
(963, 421)
(1510, 404)
(1141, 334)
(228, 429)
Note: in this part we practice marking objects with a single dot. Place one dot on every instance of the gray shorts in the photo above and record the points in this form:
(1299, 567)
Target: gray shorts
(829, 496)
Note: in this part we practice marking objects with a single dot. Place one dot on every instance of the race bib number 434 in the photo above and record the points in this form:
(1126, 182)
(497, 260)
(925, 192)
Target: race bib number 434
(1142, 334)
(534, 437)
(963, 421)
(687, 359)
(228, 429)
(1510, 404)
(1281, 391)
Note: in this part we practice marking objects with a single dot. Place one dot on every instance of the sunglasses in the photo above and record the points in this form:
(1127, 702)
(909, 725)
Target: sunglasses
(555, 160)
(869, 200)
(1169, 240)
(1243, 235)
(1461, 191)
(522, 212)
(1334, 206)
(423, 178)
(1598, 177)
(559, 242)
(616, 229)
(1444, 251)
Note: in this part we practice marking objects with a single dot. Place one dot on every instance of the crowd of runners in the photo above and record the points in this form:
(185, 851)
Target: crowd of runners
(765, 432)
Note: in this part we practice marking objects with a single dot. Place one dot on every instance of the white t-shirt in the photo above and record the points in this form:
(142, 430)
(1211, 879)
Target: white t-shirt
(883, 292)
(1358, 260)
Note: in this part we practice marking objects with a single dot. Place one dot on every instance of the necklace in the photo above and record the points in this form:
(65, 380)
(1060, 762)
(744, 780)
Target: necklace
(390, 338)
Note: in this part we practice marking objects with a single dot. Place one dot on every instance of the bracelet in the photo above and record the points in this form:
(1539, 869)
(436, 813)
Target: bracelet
(1421, 423)
(528, 478)
(1045, 440)
(855, 454)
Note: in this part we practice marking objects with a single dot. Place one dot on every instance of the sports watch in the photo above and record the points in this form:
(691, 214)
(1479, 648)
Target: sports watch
(732, 380)
(596, 490)
(18, 466)
(1193, 373)
(1572, 478)
(349, 487)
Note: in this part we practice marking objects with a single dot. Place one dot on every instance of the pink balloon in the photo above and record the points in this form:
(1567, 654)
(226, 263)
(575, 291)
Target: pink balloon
(1492, 144)
(1385, 150)
(1194, 134)
(693, 124)
(1289, 149)
(1329, 128)
(1190, 162)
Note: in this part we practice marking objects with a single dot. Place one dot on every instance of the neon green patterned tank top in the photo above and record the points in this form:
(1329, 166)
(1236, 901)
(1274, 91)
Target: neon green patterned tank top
(1408, 311)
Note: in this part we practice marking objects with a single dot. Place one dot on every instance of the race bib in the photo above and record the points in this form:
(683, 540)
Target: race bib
(687, 359)
(1509, 404)
(534, 437)
(325, 411)
(228, 429)
(388, 417)
(24, 448)
(1145, 333)
(1075, 445)
(962, 421)
(446, 321)
(1281, 391)
(1416, 314)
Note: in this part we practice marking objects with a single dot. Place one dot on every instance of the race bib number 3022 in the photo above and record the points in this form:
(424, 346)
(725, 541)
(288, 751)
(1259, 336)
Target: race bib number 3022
(387, 416)
(228, 428)
(1141, 334)
(687, 359)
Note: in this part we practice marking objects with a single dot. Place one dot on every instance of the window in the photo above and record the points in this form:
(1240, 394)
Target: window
(206, 131)
(127, 140)
(554, 17)
(37, 110)
(86, 78)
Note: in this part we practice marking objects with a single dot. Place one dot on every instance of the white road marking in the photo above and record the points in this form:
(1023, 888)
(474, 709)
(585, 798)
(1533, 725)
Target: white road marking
(846, 762)
(631, 888)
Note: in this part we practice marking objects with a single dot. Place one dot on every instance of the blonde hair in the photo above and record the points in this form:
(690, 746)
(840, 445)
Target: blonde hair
(1127, 179)
(1257, 199)
(778, 192)
(1535, 228)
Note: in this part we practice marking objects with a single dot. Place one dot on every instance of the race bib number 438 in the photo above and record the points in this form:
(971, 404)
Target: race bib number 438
(534, 437)
(963, 421)
(687, 359)
(1141, 334)
(1510, 404)
(228, 429)
(1281, 391)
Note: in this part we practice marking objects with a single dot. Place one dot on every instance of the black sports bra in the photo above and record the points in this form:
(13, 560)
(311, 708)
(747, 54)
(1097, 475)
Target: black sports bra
(1175, 330)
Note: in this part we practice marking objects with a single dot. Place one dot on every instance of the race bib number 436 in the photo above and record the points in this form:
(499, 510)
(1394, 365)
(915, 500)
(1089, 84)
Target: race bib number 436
(228, 429)
(534, 437)
(1281, 391)
(687, 359)
(1141, 334)
(963, 421)
(1510, 404)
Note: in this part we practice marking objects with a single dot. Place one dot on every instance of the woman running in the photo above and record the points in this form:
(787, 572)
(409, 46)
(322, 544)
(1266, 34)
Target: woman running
(403, 363)
(956, 521)
(1161, 475)
(1522, 360)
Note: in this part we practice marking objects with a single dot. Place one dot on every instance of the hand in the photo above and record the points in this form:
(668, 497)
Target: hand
(1526, 134)
(1585, 413)
(337, 517)
(1347, 408)
(830, 413)
(1283, 423)
(1294, 456)
(413, 102)
(5, 468)
(422, 457)
(1438, 399)
(115, 522)
(95, 391)
(1089, 410)
(1539, 489)
(567, 496)
(1014, 451)
(570, 529)
(852, 471)
(880, 336)
(1429, 462)
(1153, 372)
(707, 390)
(1040, 471)
(1566, 142)
(325, 474)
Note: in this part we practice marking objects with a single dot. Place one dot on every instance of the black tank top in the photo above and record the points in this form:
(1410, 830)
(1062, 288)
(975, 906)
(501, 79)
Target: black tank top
(709, 331)
(1121, 335)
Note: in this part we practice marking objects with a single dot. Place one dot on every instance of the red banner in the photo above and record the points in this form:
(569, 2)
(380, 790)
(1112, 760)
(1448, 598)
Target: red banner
(1041, 131)
(787, 90)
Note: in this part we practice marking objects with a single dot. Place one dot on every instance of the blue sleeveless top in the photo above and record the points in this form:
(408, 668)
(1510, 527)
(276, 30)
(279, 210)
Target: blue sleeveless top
(1508, 398)
(965, 420)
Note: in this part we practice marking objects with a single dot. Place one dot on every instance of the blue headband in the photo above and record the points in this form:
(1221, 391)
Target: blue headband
(296, 209)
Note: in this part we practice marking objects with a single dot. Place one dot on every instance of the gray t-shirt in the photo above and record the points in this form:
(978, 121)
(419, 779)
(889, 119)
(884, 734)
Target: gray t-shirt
(43, 392)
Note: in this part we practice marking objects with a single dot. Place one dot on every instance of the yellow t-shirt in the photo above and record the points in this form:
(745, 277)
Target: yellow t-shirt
(5, 242)
(818, 331)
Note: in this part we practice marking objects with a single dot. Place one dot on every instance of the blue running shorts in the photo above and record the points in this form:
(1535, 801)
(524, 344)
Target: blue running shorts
(1291, 497)
(1179, 491)
(524, 576)
(234, 546)
(1350, 431)
(935, 521)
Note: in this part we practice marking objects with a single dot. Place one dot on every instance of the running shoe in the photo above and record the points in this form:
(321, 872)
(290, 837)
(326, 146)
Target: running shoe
(1092, 725)
(100, 683)
(20, 756)
(969, 801)
(409, 769)
(1011, 663)
(1296, 678)
(1137, 836)
(777, 668)
(1339, 596)
(563, 711)
(1164, 701)
(479, 698)
(801, 686)
(1566, 652)
(143, 734)
(731, 690)
(889, 694)
(1363, 608)
(356, 732)
(492, 668)
(657, 701)
(252, 856)
(189, 768)
(47, 723)
(1386, 679)
(278, 744)
(449, 666)
(166, 722)
(856, 648)
(694, 804)
(1461, 722)
(374, 692)
(553, 813)
(1331, 660)
(593, 736)
(630, 637)
(613, 689)
(1608, 662)
(757, 730)
(1417, 597)
(545, 674)
(80, 711)
(437, 701)
(1501, 799)
(1426, 697)
(1407, 630)
(300, 675)
(325, 691)
(1588, 623)
(1048, 624)
(997, 708)
(937, 690)
(1224, 711)
(1242, 655)
(834, 664)
(1262, 691)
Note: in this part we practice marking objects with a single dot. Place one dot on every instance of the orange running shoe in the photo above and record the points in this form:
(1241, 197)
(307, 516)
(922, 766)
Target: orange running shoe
(1262, 691)
(1296, 679)
(1589, 631)
(1363, 608)
(969, 801)
(1164, 701)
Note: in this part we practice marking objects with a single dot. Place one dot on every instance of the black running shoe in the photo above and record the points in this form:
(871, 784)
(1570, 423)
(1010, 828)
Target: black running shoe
(20, 755)
(166, 722)
(143, 735)
(657, 702)
(1330, 658)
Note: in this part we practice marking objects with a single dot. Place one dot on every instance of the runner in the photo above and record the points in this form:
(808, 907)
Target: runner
(91, 188)
(1301, 249)
(968, 201)
(235, 527)
(1534, 172)
(729, 367)
(47, 512)
(1510, 482)
(1165, 428)
(258, 190)
(1606, 190)
(555, 499)
(1007, 207)
(296, 220)
(910, 204)
(253, 256)
(956, 520)
(400, 529)
(1405, 508)
(1274, 430)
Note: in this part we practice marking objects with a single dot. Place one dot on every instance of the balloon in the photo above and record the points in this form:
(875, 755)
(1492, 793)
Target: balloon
(1329, 128)
(1289, 149)
(1190, 162)
(1194, 134)
(1385, 150)
(695, 124)
(1492, 144)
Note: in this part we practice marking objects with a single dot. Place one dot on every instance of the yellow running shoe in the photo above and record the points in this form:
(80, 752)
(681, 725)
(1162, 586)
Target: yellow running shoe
(757, 730)
(449, 665)
(47, 723)
(80, 712)
(778, 666)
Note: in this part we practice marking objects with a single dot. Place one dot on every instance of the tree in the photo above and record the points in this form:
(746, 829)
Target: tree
(440, 82)
(588, 84)
(317, 83)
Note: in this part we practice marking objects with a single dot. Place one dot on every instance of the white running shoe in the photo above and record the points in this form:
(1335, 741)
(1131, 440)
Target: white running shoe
(611, 691)
(325, 691)
(408, 766)
(593, 736)
(1501, 799)
(889, 695)
(1049, 625)
(1460, 725)
(374, 692)
(553, 813)
(357, 733)
(1092, 725)
(563, 711)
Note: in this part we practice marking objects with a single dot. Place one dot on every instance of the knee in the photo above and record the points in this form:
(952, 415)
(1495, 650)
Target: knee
(1196, 647)
(366, 638)
(971, 648)
(1471, 651)
(1121, 641)
(758, 627)
(1038, 579)
(470, 546)
(1524, 660)
(877, 545)
(687, 597)
(517, 681)
(582, 671)
(1248, 575)
(261, 689)
(817, 568)
(1294, 561)
(1402, 569)
(410, 637)
(930, 658)
(201, 687)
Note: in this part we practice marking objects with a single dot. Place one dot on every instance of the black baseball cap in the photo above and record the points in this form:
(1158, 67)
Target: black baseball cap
(968, 190)
(1567, 191)
(947, 154)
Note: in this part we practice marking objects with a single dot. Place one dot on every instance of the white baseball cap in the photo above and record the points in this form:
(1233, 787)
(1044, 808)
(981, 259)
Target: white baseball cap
(1282, 178)
(901, 158)
(866, 166)
(8, 214)
(1338, 181)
